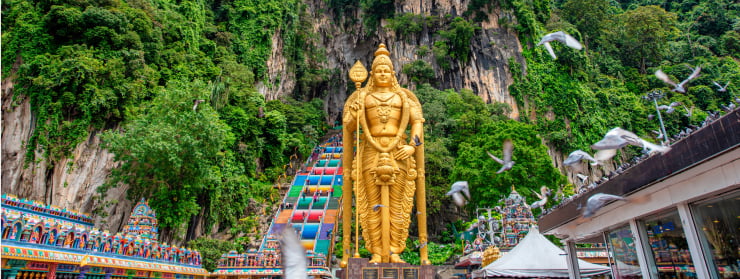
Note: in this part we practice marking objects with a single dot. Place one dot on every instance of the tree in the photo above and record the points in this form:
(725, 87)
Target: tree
(211, 250)
(169, 152)
(419, 71)
(588, 16)
(645, 35)
(458, 35)
(533, 167)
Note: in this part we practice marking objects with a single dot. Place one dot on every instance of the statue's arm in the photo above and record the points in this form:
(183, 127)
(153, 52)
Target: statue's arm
(351, 108)
(416, 118)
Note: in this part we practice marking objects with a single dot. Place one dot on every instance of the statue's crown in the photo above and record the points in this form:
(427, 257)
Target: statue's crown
(382, 57)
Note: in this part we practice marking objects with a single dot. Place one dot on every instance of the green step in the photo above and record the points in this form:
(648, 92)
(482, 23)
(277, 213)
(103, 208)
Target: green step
(295, 191)
(333, 203)
(322, 246)
(337, 191)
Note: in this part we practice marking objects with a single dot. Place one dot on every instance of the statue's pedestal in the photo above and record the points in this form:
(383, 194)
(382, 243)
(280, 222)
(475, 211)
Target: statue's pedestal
(359, 268)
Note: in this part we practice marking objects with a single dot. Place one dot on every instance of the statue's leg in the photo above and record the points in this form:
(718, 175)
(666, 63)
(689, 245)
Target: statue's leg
(402, 202)
(369, 219)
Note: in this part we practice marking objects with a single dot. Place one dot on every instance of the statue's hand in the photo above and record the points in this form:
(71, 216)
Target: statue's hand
(405, 152)
(356, 106)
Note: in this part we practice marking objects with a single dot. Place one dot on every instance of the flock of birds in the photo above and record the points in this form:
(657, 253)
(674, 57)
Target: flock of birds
(294, 259)
(607, 147)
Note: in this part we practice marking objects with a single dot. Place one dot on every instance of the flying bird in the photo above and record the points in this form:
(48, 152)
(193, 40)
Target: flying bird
(689, 111)
(377, 207)
(457, 190)
(721, 88)
(417, 141)
(294, 255)
(597, 201)
(544, 193)
(669, 108)
(506, 163)
(473, 226)
(563, 38)
(681, 87)
(196, 102)
(578, 155)
(617, 138)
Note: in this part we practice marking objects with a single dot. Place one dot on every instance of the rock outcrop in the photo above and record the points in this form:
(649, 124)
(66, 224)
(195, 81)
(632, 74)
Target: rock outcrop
(70, 182)
(345, 40)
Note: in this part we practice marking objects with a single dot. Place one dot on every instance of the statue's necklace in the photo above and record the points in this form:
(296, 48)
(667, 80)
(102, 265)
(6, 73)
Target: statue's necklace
(384, 108)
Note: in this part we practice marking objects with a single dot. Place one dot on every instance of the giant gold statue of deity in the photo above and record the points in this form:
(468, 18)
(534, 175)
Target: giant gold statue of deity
(384, 157)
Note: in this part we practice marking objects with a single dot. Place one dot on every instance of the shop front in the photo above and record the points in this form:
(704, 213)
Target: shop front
(681, 216)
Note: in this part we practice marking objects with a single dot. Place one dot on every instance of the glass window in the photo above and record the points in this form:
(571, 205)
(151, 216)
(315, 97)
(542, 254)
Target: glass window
(718, 222)
(669, 246)
(622, 247)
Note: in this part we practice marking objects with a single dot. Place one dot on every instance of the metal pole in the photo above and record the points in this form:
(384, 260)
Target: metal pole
(664, 140)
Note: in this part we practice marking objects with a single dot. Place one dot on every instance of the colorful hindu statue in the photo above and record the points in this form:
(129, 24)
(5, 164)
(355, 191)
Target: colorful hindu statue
(387, 171)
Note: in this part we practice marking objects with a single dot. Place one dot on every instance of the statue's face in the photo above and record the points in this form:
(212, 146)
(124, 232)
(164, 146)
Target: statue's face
(383, 75)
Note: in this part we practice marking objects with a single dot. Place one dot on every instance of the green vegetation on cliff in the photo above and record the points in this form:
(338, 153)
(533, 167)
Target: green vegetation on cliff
(134, 69)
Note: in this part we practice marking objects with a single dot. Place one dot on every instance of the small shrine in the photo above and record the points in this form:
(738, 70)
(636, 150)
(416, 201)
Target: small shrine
(496, 236)
(40, 240)
(516, 220)
(143, 221)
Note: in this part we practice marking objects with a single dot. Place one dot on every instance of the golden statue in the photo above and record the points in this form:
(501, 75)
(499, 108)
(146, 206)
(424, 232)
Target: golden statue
(385, 165)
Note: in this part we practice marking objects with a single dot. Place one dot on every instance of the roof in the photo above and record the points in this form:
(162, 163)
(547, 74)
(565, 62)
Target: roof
(535, 256)
(32, 252)
(720, 136)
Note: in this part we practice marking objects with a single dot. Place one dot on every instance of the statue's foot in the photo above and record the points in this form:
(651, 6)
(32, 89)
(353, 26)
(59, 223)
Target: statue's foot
(425, 262)
(396, 259)
(376, 258)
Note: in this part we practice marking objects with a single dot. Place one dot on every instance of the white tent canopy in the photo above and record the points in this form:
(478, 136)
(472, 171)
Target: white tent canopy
(535, 256)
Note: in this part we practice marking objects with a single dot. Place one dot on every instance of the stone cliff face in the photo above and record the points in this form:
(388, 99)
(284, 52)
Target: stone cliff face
(486, 74)
(68, 183)
(72, 182)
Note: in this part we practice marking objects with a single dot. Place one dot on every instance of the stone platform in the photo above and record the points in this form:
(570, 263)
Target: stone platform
(359, 268)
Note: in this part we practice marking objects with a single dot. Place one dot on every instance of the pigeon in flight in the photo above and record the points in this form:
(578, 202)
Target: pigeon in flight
(473, 226)
(377, 207)
(294, 255)
(617, 138)
(689, 111)
(544, 193)
(681, 87)
(196, 103)
(578, 155)
(669, 108)
(563, 38)
(721, 88)
(597, 201)
(457, 190)
(506, 163)
(605, 154)
(417, 141)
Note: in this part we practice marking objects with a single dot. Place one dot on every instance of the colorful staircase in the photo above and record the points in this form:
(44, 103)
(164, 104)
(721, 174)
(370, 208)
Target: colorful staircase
(311, 207)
